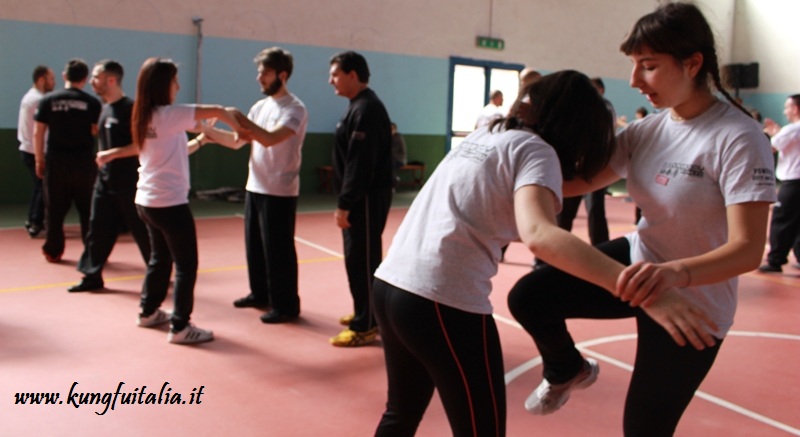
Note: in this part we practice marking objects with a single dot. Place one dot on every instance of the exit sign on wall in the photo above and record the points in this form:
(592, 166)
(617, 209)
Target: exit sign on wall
(490, 43)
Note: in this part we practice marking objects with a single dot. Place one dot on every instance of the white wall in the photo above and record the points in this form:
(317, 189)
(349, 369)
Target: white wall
(767, 33)
(545, 34)
(548, 34)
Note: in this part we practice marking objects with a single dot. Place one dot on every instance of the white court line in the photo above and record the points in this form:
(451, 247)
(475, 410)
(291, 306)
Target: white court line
(583, 347)
(318, 247)
(530, 364)
(310, 244)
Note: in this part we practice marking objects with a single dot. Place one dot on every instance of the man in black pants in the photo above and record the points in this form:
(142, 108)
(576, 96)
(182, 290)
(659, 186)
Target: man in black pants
(362, 177)
(69, 117)
(784, 227)
(115, 188)
(43, 82)
(277, 124)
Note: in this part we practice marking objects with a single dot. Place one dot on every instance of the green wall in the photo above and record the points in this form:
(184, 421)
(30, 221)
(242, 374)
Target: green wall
(215, 167)
(15, 181)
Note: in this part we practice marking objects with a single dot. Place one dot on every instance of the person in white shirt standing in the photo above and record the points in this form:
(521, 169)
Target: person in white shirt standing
(44, 81)
(784, 227)
(277, 124)
(492, 111)
(162, 194)
(699, 160)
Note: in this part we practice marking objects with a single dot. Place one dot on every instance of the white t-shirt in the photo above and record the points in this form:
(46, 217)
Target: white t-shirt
(275, 170)
(787, 142)
(449, 244)
(683, 175)
(27, 107)
(164, 158)
(488, 114)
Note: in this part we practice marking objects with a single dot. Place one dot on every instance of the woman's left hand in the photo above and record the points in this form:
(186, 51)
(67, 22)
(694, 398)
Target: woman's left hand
(641, 283)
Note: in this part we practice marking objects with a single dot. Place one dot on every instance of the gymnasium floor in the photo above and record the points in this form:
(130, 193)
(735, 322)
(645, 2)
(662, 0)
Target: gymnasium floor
(286, 380)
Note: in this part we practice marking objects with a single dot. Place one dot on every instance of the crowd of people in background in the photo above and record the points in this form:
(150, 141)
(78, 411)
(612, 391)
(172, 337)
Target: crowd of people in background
(520, 176)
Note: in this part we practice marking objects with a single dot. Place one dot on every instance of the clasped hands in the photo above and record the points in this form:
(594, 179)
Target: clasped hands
(242, 128)
(653, 287)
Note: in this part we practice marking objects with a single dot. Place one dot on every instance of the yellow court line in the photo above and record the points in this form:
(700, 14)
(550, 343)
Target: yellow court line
(131, 278)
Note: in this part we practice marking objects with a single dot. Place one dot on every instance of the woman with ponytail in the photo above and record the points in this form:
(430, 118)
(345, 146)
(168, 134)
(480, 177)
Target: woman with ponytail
(702, 173)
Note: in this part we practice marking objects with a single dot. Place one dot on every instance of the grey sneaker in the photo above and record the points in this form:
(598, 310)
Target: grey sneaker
(548, 398)
(190, 335)
(157, 318)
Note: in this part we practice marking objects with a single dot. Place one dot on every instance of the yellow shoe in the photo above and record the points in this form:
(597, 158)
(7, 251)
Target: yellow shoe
(350, 338)
(345, 320)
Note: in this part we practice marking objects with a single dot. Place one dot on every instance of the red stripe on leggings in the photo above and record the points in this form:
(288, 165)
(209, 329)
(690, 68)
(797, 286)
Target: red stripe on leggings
(460, 370)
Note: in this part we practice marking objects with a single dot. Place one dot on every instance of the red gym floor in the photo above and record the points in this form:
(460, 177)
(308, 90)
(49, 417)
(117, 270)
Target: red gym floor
(286, 380)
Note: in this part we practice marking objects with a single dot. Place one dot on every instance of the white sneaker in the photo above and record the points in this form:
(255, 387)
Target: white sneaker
(157, 318)
(189, 335)
(548, 398)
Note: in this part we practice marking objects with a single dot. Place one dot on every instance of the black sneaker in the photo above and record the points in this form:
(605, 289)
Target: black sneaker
(770, 268)
(34, 230)
(274, 317)
(87, 284)
(250, 301)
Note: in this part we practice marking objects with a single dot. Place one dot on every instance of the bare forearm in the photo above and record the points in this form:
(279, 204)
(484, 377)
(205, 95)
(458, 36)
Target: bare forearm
(224, 138)
(38, 141)
(569, 253)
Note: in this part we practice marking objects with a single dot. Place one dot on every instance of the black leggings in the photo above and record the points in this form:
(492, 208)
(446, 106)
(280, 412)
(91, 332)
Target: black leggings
(429, 345)
(665, 375)
(173, 238)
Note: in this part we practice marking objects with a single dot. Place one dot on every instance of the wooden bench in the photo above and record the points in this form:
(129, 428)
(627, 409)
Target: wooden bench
(417, 175)
(415, 179)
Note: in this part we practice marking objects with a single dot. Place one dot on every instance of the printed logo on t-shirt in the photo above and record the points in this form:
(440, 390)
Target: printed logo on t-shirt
(66, 105)
(677, 169)
(151, 132)
(763, 176)
(474, 151)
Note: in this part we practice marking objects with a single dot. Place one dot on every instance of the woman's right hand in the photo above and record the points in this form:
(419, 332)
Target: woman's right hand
(239, 124)
(683, 320)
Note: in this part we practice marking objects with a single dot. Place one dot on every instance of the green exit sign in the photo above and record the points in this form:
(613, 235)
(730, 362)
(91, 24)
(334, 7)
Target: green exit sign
(486, 42)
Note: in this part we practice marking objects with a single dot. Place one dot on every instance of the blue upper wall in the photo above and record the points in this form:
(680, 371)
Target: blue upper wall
(413, 88)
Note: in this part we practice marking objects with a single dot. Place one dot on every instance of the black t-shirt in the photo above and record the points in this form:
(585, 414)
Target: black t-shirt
(69, 115)
(121, 174)
(362, 152)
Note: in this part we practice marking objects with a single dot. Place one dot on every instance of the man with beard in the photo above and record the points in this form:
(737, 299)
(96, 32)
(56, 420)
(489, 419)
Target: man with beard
(44, 81)
(277, 125)
(115, 188)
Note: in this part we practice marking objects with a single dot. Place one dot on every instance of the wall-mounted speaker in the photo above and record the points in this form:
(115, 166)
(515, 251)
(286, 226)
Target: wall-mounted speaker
(741, 75)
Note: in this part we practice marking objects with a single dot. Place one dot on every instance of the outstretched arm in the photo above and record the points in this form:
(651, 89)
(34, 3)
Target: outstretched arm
(225, 115)
(105, 156)
(264, 137)
(578, 186)
(535, 212)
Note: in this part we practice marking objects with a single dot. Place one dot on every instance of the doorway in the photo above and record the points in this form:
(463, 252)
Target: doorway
(471, 83)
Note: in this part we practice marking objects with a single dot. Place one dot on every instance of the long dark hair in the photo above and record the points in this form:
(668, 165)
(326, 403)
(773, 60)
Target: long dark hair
(565, 109)
(152, 90)
(679, 30)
